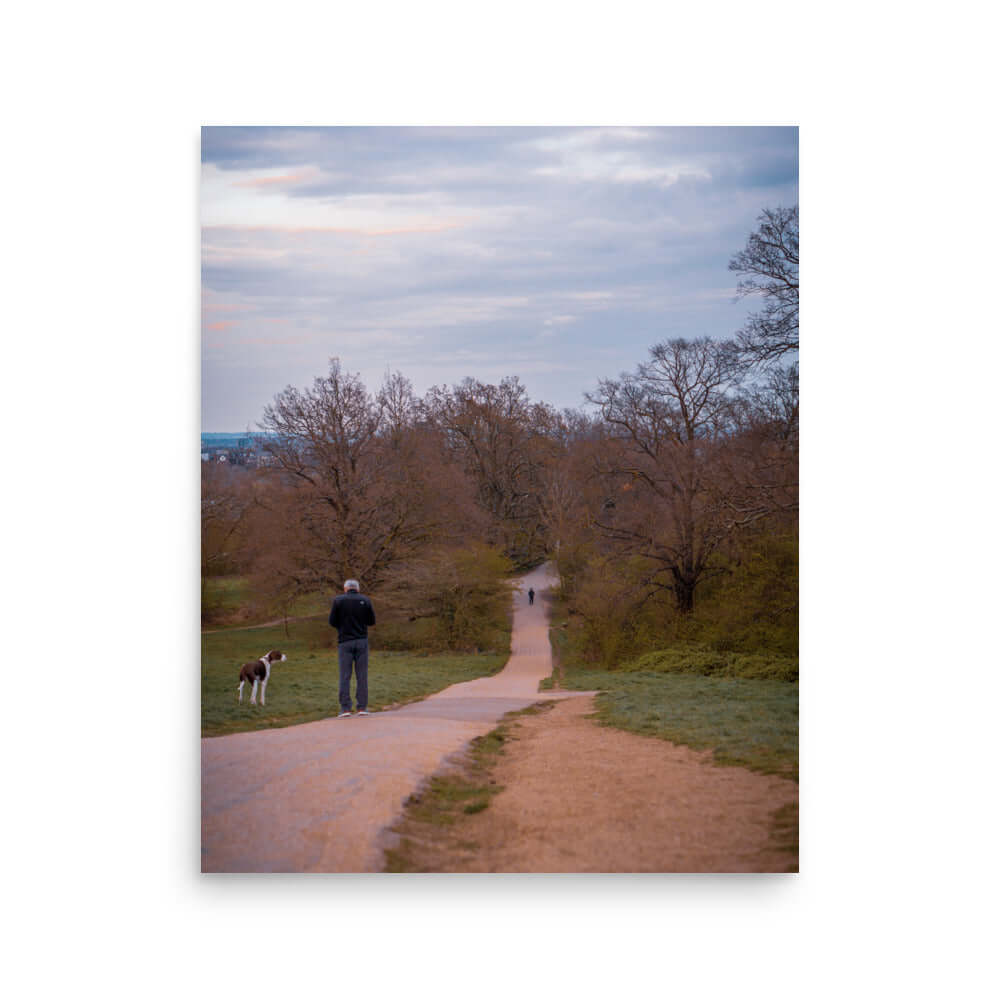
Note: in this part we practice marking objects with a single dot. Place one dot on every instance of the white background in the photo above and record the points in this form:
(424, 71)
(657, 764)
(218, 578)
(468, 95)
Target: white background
(100, 169)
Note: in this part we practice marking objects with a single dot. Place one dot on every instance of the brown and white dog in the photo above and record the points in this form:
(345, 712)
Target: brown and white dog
(259, 671)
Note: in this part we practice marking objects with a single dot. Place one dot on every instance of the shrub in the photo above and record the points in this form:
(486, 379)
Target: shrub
(454, 599)
(695, 658)
(747, 603)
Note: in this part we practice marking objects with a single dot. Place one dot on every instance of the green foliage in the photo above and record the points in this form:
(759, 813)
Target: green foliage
(603, 601)
(695, 658)
(753, 605)
(472, 601)
(304, 688)
(575, 562)
(747, 604)
(451, 599)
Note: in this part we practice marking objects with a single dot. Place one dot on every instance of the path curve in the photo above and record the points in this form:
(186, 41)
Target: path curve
(317, 797)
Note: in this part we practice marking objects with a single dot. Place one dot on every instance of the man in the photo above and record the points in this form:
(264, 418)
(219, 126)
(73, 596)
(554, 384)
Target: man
(351, 615)
(531, 595)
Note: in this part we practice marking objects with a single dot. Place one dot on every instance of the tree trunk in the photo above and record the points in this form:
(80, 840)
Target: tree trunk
(684, 585)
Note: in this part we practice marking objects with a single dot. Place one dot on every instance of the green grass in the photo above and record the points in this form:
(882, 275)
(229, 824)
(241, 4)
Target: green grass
(224, 596)
(304, 688)
(747, 721)
(230, 601)
(227, 592)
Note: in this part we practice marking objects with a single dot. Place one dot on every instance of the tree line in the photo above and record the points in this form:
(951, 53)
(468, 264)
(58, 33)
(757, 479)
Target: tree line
(669, 502)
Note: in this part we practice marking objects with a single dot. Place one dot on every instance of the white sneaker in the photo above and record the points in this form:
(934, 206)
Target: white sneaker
(344, 715)
(363, 711)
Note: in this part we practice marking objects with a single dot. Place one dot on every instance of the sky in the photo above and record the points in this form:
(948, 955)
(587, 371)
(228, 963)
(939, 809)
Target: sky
(559, 255)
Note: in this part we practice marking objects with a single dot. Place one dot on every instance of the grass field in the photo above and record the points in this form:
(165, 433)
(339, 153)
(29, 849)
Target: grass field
(229, 601)
(752, 723)
(304, 688)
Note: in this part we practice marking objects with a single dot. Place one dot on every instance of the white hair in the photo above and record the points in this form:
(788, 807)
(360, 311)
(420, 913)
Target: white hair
(352, 585)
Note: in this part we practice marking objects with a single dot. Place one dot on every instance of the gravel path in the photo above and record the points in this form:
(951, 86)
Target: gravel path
(317, 797)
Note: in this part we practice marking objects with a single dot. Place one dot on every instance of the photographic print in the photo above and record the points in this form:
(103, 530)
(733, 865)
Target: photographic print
(499, 499)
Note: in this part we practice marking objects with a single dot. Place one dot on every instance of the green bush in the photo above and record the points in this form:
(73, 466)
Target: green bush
(455, 599)
(695, 658)
(746, 604)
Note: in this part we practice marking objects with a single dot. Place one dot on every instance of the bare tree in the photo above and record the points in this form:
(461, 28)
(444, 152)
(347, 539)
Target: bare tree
(669, 420)
(566, 477)
(498, 435)
(770, 406)
(227, 503)
(348, 510)
(400, 406)
(762, 460)
(770, 263)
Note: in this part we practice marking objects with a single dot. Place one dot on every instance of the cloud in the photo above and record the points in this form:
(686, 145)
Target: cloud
(617, 170)
(238, 231)
(274, 180)
(552, 249)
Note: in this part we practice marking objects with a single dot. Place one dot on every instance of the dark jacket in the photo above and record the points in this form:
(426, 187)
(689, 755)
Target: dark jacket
(351, 615)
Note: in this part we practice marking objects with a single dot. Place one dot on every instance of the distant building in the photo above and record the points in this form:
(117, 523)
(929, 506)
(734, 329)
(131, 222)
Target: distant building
(247, 452)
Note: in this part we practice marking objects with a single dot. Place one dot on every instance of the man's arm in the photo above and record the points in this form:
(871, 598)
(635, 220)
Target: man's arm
(334, 619)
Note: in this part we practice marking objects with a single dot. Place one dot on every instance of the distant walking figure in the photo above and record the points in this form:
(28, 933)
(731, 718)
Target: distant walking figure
(351, 615)
(531, 595)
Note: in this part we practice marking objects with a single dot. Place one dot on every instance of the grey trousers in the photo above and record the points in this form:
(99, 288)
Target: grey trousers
(353, 653)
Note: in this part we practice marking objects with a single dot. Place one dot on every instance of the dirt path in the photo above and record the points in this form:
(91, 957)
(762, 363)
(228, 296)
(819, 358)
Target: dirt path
(316, 797)
(581, 797)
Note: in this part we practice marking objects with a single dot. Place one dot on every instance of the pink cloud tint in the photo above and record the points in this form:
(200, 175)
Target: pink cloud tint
(267, 181)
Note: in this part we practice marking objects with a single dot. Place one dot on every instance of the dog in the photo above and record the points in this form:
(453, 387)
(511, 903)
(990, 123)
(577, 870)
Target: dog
(258, 671)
